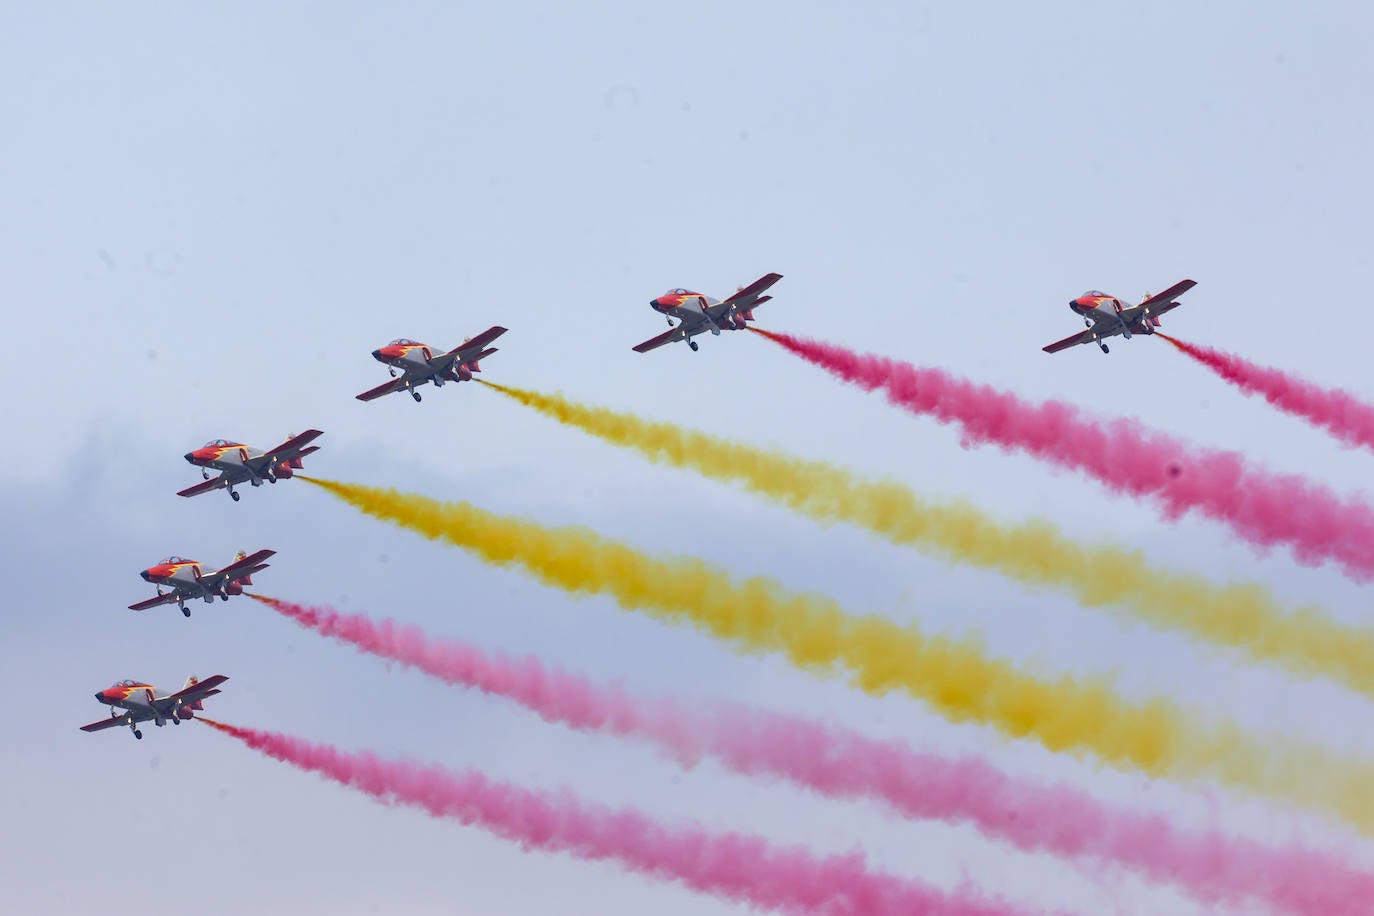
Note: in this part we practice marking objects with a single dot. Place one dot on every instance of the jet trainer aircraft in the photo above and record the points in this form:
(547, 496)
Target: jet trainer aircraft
(189, 580)
(132, 702)
(237, 462)
(1106, 316)
(418, 364)
(697, 313)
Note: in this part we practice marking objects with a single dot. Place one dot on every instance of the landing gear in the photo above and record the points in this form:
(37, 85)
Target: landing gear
(138, 734)
(223, 597)
(176, 720)
(392, 371)
(693, 345)
(234, 496)
(204, 474)
(185, 611)
(1087, 322)
(416, 396)
(670, 322)
(1104, 347)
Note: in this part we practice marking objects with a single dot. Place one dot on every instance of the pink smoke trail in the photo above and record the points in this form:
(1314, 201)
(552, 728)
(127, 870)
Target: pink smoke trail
(1261, 506)
(1340, 413)
(842, 763)
(736, 866)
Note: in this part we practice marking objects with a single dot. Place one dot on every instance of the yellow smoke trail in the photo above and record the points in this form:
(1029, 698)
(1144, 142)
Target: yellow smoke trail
(1246, 616)
(758, 614)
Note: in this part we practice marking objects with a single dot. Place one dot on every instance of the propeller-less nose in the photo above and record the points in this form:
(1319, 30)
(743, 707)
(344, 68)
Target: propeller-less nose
(100, 695)
(146, 577)
(190, 456)
(653, 303)
(376, 354)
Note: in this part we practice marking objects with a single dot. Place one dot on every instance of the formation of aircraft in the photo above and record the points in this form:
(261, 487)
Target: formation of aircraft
(132, 702)
(697, 313)
(1106, 316)
(412, 363)
(190, 579)
(238, 463)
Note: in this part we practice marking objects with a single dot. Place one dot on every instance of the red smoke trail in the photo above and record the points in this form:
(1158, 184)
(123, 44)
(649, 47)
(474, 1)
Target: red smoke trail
(1263, 507)
(1340, 413)
(736, 866)
(842, 763)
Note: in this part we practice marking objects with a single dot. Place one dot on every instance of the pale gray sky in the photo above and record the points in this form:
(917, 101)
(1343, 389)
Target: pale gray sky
(213, 214)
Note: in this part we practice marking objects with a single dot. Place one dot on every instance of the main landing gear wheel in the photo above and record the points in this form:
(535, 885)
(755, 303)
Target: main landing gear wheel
(693, 345)
(234, 496)
(416, 396)
(223, 597)
(185, 612)
(1104, 348)
(138, 734)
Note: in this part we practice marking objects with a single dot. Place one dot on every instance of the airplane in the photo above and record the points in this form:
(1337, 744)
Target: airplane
(237, 462)
(189, 580)
(697, 313)
(1106, 316)
(139, 702)
(418, 364)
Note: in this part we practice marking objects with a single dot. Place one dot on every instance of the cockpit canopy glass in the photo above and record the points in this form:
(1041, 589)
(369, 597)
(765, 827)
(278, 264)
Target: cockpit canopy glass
(402, 341)
(127, 683)
(1094, 292)
(216, 443)
(675, 292)
(172, 559)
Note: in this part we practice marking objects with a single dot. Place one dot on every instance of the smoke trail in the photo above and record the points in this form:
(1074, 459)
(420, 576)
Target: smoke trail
(1245, 616)
(735, 866)
(758, 614)
(1262, 507)
(1340, 413)
(843, 763)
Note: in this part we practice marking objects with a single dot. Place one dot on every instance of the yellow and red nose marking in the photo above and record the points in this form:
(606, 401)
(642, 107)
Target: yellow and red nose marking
(671, 300)
(1088, 303)
(118, 693)
(208, 453)
(392, 352)
(165, 570)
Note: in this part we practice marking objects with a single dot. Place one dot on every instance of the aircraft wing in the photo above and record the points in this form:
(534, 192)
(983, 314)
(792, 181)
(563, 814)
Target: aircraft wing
(372, 394)
(752, 294)
(244, 566)
(468, 350)
(291, 448)
(214, 483)
(1081, 337)
(1159, 303)
(104, 724)
(169, 598)
(198, 691)
(667, 337)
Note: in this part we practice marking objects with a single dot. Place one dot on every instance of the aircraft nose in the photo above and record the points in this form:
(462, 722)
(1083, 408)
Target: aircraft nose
(653, 303)
(190, 456)
(376, 354)
(146, 577)
(100, 695)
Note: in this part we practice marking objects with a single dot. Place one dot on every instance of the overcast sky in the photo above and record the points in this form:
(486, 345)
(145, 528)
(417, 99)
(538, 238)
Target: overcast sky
(211, 214)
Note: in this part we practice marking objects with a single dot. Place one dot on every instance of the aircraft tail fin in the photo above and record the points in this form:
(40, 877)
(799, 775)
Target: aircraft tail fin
(191, 682)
